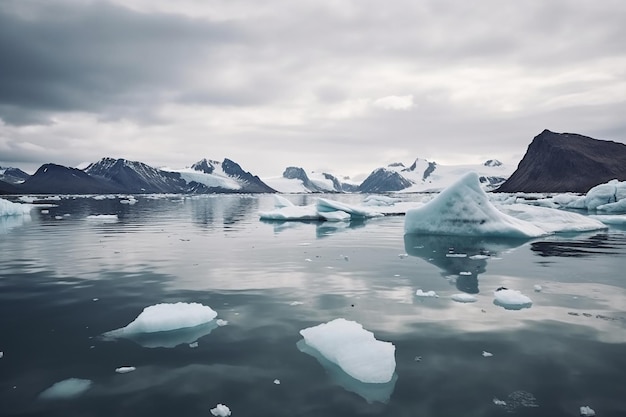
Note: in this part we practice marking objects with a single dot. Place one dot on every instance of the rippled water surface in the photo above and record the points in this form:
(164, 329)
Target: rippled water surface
(65, 279)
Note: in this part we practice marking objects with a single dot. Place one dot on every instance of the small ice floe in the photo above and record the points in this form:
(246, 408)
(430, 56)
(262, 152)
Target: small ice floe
(277, 381)
(108, 218)
(499, 402)
(465, 273)
(58, 217)
(587, 411)
(1, 355)
(68, 388)
(456, 255)
(130, 201)
(46, 211)
(296, 303)
(354, 349)
(487, 354)
(193, 345)
(221, 322)
(430, 293)
(511, 299)
(537, 288)
(402, 255)
(168, 325)
(94, 299)
(464, 298)
(479, 257)
(125, 369)
(220, 410)
(308, 260)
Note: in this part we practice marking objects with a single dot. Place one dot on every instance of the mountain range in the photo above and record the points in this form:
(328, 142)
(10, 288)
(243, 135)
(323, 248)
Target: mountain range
(554, 162)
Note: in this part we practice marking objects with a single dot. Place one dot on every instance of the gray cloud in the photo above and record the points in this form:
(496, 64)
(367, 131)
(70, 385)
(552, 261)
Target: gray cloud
(284, 83)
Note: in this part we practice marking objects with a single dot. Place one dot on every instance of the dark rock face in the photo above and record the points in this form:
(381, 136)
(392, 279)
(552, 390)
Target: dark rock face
(6, 188)
(204, 166)
(251, 183)
(340, 186)
(299, 174)
(382, 180)
(57, 179)
(562, 162)
(136, 177)
(492, 163)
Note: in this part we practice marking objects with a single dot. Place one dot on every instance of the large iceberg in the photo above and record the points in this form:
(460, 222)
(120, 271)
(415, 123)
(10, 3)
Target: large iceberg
(323, 210)
(168, 325)
(354, 350)
(464, 209)
(7, 208)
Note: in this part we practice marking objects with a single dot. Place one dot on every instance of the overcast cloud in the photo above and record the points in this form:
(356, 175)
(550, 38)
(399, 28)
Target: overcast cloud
(339, 85)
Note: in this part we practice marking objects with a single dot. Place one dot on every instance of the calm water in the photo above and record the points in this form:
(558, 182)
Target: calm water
(64, 281)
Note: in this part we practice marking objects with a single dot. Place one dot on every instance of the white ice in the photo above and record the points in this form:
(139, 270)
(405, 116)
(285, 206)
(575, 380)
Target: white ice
(487, 354)
(587, 411)
(125, 369)
(537, 288)
(354, 349)
(607, 197)
(7, 208)
(511, 299)
(614, 219)
(68, 388)
(323, 209)
(217, 179)
(220, 410)
(430, 293)
(464, 298)
(277, 381)
(165, 317)
(103, 217)
(464, 209)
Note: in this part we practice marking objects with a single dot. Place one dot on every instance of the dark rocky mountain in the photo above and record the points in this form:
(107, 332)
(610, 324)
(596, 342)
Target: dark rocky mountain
(136, 177)
(205, 165)
(13, 175)
(339, 185)
(384, 180)
(6, 188)
(250, 183)
(562, 162)
(57, 179)
(299, 174)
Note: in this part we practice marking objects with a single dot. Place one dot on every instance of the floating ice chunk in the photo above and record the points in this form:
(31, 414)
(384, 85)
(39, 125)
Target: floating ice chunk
(164, 317)
(537, 288)
(430, 293)
(379, 200)
(280, 202)
(479, 257)
(465, 209)
(353, 349)
(487, 354)
(296, 303)
(125, 369)
(129, 201)
(291, 213)
(325, 205)
(335, 216)
(58, 217)
(617, 207)
(45, 211)
(68, 388)
(7, 208)
(613, 219)
(464, 298)
(221, 322)
(1, 355)
(103, 217)
(605, 195)
(277, 381)
(465, 273)
(553, 220)
(456, 255)
(587, 411)
(220, 410)
(193, 345)
(499, 402)
(511, 299)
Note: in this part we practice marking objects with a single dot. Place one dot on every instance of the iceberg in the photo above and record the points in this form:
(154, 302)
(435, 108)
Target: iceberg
(125, 369)
(68, 388)
(168, 325)
(587, 411)
(430, 293)
(609, 197)
(511, 299)
(220, 410)
(353, 349)
(464, 298)
(7, 208)
(464, 209)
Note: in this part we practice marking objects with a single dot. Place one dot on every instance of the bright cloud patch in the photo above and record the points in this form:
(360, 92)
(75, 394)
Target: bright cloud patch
(394, 102)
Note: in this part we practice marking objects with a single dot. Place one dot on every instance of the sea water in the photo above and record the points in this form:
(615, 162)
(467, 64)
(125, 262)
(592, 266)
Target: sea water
(74, 271)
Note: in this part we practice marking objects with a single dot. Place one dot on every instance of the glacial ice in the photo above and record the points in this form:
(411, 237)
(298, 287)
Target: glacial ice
(354, 349)
(430, 293)
(464, 298)
(587, 411)
(487, 354)
(464, 209)
(68, 388)
(511, 299)
(125, 369)
(323, 209)
(220, 410)
(168, 325)
(608, 197)
(103, 217)
(7, 208)
(613, 219)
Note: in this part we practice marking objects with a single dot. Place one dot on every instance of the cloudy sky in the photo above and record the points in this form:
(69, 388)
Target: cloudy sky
(339, 85)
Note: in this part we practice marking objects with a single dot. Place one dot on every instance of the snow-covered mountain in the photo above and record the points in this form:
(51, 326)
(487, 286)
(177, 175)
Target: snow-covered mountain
(13, 175)
(423, 176)
(227, 176)
(296, 180)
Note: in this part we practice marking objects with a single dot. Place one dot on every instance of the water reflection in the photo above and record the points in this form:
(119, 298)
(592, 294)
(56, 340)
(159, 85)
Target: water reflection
(601, 243)
(461, 256)
(322, 228)
(370, 392)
